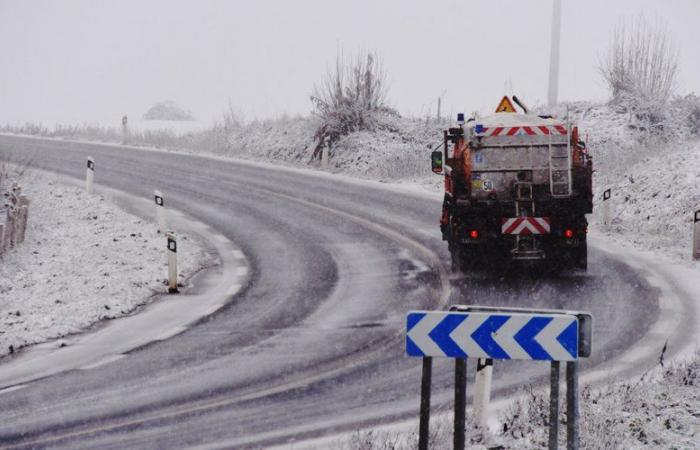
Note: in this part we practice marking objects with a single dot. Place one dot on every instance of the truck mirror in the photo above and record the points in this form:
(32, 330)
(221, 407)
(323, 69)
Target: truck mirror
(436, 161)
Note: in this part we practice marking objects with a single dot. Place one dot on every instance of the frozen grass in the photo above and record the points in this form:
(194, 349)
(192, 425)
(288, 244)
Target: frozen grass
(76, 266)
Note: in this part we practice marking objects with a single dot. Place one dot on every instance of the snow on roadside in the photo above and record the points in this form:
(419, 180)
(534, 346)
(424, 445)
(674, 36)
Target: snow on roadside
(653, 179)
(84, 260)
(656, 410)
(652, 204)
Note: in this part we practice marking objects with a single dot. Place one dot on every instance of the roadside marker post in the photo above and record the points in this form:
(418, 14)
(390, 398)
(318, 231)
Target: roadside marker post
(606, 209)
(696, 235)
(90, 174)
(160, 211)
(125, 130)
(172, 262)
(500, 333)
(482, 390)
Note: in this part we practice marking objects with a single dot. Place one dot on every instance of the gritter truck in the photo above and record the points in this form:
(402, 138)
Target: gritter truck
(517, 188)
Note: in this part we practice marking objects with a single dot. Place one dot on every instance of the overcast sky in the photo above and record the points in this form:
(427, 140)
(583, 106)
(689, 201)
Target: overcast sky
(85, 60)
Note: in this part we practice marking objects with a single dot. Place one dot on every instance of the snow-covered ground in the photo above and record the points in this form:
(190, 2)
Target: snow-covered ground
(656, 410)
(83, 261)
(654, 183)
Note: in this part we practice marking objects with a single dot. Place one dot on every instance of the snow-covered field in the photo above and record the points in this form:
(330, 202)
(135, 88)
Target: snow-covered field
(84, 260)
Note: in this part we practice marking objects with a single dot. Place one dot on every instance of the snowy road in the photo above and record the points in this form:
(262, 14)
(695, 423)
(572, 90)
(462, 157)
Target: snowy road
(314, 344)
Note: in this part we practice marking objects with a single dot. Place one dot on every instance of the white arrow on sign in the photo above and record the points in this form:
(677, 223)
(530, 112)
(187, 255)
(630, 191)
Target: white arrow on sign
(419, 334)
(462, 335)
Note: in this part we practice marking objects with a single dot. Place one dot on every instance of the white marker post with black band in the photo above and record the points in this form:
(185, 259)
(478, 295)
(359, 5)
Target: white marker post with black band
(482, 390)
(89, 174)
(160, 211)
(606, 209)
(696, 235)
(172, 262)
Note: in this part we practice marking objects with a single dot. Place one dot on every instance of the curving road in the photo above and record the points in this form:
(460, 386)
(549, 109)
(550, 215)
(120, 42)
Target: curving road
(314, 344)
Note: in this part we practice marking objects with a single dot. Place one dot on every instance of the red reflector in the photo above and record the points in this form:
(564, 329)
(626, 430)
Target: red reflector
(474, 234)
(569, 233)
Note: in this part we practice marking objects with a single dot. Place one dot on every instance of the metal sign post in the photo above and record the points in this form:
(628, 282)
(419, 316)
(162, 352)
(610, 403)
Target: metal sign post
(500, 333)
(696, 236)
(424, 426)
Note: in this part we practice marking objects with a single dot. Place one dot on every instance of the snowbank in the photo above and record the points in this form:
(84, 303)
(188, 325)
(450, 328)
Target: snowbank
(83, 261)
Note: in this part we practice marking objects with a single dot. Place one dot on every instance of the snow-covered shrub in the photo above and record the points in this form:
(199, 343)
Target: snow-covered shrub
(349, 99)
(687, 111)
(641, 65)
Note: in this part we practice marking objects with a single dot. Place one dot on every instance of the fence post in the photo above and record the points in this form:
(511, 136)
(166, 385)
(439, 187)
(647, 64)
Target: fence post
(482, 390)
(172, 262)
(160, 211)
(554, 406)
(424, 424)
(696, 235)
(572, 405)
(460, 415)
(24, 214)
(12, 220)
(90, 174)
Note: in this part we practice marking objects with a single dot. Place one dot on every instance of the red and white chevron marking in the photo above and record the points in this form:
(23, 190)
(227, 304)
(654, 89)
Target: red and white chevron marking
(523, 130)
(525, 225)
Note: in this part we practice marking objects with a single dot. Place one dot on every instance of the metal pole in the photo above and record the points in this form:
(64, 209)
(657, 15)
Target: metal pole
(553, 90)
(572, 405)
(424, 426)
(554, 406)
(482, 391)
(696, 235)
(438, 108)
(460, 402)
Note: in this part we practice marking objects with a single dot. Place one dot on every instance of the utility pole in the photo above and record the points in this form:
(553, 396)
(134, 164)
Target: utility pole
(554, 54)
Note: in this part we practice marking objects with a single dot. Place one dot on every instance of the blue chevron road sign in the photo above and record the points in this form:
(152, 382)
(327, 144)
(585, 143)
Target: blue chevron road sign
(496, 335)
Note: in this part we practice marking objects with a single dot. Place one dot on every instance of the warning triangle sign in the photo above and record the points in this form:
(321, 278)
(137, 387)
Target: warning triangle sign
(505, 106)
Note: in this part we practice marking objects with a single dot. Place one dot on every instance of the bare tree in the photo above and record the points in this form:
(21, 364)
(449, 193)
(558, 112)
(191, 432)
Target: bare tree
(349, 98)
(642, 62)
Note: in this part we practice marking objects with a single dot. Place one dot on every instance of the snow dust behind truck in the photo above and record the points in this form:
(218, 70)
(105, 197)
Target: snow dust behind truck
(517, 188)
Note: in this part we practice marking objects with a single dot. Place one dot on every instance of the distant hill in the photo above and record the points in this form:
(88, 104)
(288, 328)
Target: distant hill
(167, 110)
